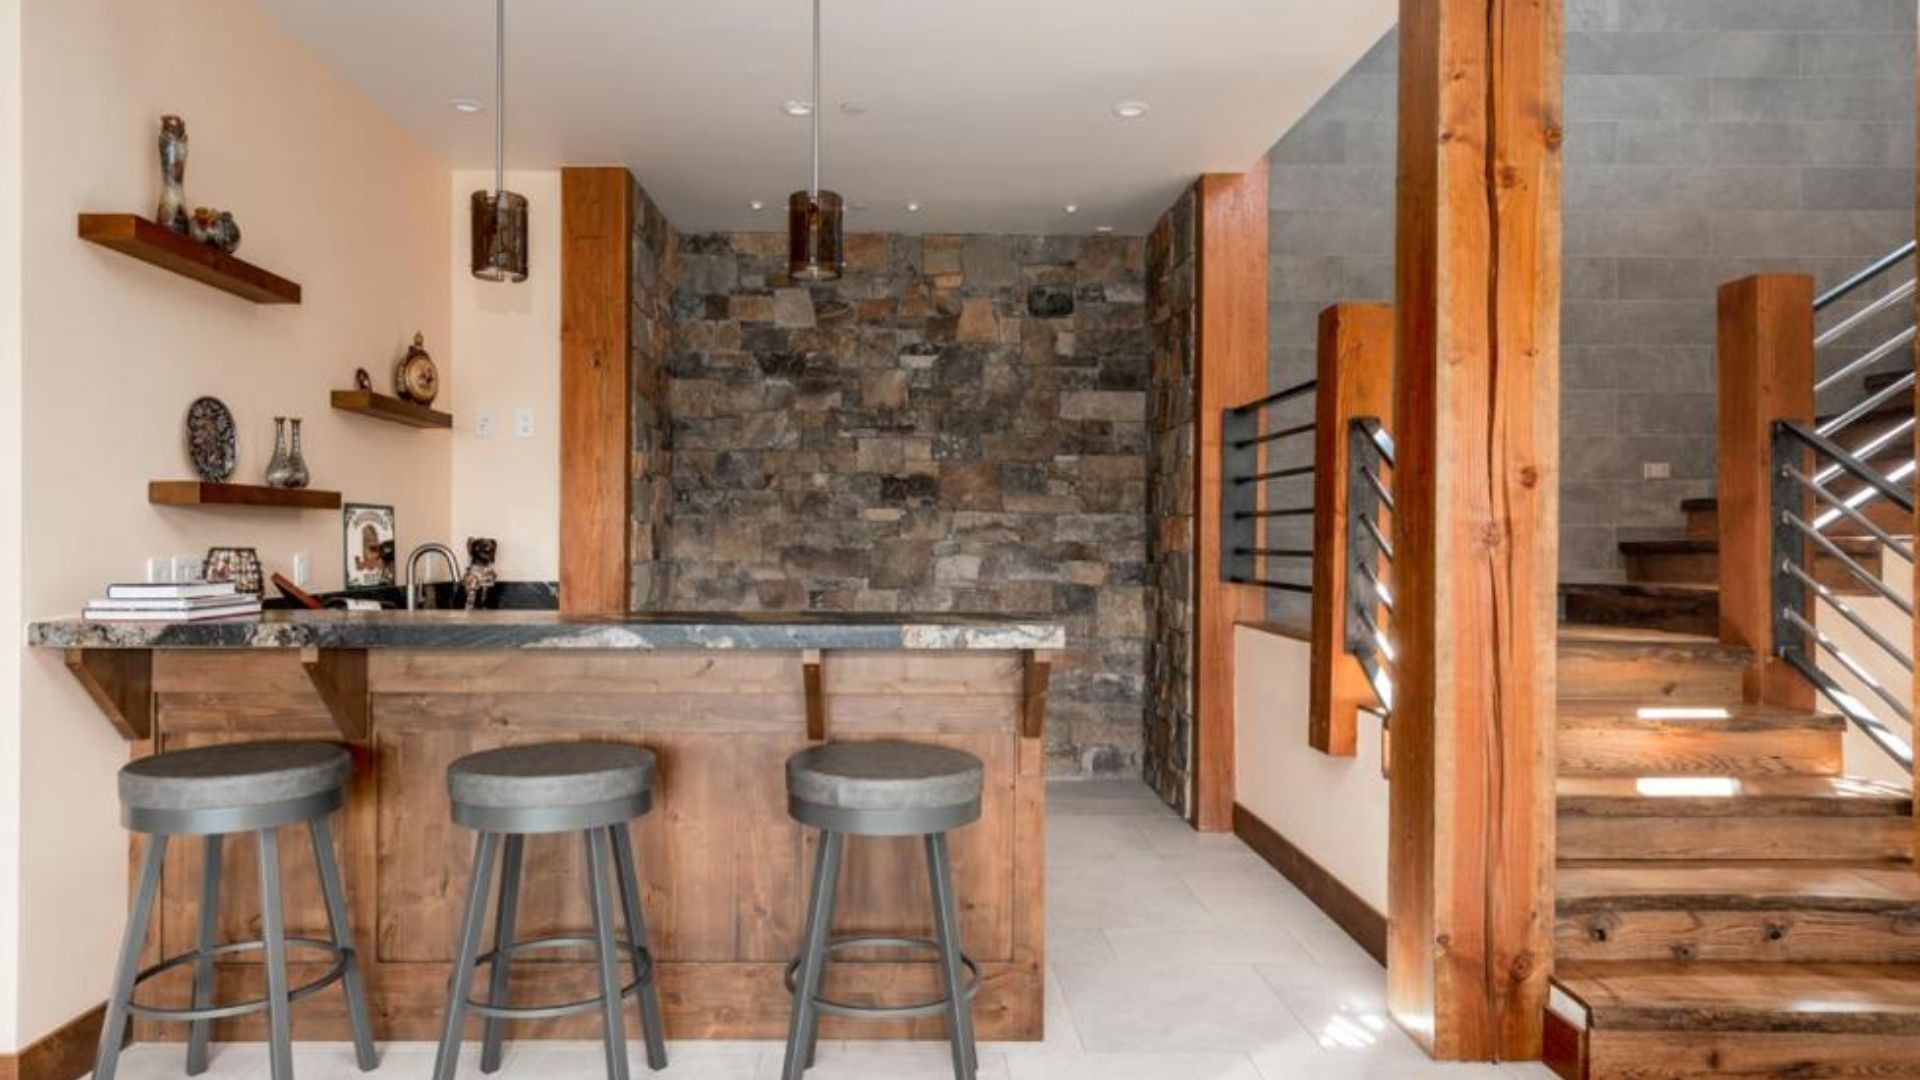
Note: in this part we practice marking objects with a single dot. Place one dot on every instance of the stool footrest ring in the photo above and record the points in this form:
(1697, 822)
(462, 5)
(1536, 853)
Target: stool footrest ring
(639, 956)
(222, 1012)
(886, 1012)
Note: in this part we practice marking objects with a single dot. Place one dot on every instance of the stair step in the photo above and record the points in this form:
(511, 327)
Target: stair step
(1682, 609)
(1632, 738)
(1665, 1020)
(1764, 818)
(1654, 667)
(1690, 561)
(1774, 912)
(1703, 519)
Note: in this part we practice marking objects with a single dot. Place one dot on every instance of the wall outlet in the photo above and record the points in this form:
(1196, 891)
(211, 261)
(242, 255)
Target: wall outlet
(1656, 470)
(523, 423)
(485, 426)
(188, 567)
(159, 569)
(302, 569)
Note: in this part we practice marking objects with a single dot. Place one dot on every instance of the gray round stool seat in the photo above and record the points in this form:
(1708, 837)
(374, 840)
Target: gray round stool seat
(884, 788)
(551, 787)
(233, 787)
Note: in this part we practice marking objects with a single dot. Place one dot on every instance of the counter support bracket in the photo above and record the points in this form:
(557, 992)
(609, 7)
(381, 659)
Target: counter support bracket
(1034, 681)
(340, 678)
(816, 696)
(120, 682)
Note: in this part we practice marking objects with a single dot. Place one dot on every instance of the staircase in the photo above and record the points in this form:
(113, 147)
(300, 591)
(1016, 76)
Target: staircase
(1730, 903)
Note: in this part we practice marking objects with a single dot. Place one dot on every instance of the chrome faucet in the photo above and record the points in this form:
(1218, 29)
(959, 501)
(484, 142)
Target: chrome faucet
(413, 565)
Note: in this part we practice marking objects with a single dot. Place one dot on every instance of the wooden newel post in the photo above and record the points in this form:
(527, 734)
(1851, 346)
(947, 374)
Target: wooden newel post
(1476, 486)
(1765, 357)
(1355, 379)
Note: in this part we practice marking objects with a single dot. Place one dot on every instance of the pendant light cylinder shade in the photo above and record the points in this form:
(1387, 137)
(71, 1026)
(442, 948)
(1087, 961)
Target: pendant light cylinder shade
(500, 236)
(815, 249)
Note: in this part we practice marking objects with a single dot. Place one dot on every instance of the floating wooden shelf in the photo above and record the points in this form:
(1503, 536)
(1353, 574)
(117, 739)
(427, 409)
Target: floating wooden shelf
(391, 409)
(131, 234)
(201, 493)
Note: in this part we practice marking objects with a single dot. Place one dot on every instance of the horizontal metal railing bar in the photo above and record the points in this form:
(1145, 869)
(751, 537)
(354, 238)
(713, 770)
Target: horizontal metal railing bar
(1885, 263)
(1282, 586)
(1379, 488)
(1380, 682)
(1275, 474)
(1276, 553)
(1275, 436)
(1866, 359)
(1840, 456)
(1832, 551)
(1379, 538)
(1866, 450)
(1833, 649)
(1846, 612)
(1290, 511)
(1381, 593)
(1275, 398)
(1853, 709)
(1381, 438)
(1886, 538)
(1850, 323)
(1378, 635)
(1868, 404)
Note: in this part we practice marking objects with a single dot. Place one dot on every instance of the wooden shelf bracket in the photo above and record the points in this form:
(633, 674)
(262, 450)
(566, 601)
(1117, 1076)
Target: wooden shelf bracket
(816, 696)
(1034, 681)
(340, 677)
(120, 682)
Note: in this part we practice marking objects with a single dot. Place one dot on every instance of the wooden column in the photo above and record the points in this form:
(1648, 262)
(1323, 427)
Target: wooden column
(1355, 379)
(1764, 347)
(596, 436)
(1231, 369)
(1477, 307)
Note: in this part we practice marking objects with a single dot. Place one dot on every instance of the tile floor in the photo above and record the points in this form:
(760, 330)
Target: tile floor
(1173, 956)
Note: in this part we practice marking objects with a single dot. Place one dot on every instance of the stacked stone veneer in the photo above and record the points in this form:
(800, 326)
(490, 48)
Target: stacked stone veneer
(957, 424)
(1171, 474)
(652, 272)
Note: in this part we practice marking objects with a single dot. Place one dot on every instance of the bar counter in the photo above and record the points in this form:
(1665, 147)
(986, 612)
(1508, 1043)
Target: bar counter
(721, 699)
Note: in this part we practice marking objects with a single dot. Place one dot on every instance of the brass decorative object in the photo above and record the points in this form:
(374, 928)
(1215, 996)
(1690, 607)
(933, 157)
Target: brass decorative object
(815, 250)
(416, 378)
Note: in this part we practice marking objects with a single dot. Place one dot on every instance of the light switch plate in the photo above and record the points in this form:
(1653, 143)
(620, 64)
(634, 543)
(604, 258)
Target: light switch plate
(1656, 470)
(188, 567)
(159, 569)
(302, 569)
(484, 427)
(523, 423)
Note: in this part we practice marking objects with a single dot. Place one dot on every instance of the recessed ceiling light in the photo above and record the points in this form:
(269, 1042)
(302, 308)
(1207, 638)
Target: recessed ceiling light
(1073, 208)
(1130, 110)
(913, 208)
(465, 105)
(797, 107)
(756, 206)
(856, 205)
(854, 108)
(1103, 230)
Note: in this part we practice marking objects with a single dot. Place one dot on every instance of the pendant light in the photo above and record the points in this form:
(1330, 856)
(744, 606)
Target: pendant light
(499, 216)
(814, 249)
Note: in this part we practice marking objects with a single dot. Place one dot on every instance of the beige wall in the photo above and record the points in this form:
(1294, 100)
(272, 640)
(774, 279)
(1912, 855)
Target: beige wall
(10, 609)
(1863, 756)
(507, 339)
(330, 194)
(1334, 809)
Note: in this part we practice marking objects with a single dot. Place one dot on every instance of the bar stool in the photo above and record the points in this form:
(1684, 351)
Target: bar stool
(882, 789)
(211, 792)
(507, 795)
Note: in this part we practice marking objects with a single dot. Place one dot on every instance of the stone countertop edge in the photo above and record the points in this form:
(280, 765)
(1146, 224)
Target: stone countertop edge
(548, 630)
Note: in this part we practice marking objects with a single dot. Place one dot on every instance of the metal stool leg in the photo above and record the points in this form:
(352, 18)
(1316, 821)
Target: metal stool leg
(203, 966)
(652, 1030)
(273, 929)
(802, 1031)
(461, 985)
(610, 1001)
(114, 1030)
(341, 924)
(503, 926)
(946, 921)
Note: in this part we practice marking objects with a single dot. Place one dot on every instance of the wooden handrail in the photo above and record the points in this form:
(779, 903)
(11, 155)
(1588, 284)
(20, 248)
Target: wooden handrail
(1355, 379)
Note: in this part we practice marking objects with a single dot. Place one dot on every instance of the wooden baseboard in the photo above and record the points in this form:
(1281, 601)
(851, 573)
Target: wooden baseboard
(65, 1053)
(1365, 925)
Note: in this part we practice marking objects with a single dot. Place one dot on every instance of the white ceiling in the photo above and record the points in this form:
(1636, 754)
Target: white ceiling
(994, 114)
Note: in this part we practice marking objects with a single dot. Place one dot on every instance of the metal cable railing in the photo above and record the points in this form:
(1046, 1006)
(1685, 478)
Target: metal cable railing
(1369, 557)
(1247, 438)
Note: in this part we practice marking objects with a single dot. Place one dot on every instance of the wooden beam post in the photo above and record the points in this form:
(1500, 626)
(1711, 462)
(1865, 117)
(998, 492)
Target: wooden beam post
(120, 682)
(1355, 379)
(1231, 368)
(1477, 306)
(596, 436)
(1764, 353)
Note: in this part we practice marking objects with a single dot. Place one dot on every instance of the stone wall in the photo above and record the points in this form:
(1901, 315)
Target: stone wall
(1705, 140)
(958, 424)
(1171, 321)
(652, 272)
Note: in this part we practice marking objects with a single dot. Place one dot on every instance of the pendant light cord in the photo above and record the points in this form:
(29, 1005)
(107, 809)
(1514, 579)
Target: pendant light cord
(817, 106)
(499, 98)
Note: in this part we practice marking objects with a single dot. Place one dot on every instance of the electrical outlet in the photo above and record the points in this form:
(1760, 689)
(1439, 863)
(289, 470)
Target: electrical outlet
(523, 423)
(188, 567)
(485, 426)
(302, 569)
(1656, 470)
(159, 570)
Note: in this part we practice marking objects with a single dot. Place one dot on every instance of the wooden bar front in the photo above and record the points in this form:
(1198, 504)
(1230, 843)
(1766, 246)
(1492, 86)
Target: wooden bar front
(724, 871)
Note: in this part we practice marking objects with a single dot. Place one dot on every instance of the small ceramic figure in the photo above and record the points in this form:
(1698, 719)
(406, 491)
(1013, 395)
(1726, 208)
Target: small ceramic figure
(480, 577)
(215, 229)
(362, 380)
(173, 174)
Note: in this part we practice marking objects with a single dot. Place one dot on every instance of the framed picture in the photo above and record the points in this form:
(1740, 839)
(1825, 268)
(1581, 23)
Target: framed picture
(367, 537)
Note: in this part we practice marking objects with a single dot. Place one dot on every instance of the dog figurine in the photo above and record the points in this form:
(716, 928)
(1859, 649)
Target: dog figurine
(480, 577)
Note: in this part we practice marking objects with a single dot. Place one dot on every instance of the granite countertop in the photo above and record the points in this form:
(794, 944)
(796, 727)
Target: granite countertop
(552, 630)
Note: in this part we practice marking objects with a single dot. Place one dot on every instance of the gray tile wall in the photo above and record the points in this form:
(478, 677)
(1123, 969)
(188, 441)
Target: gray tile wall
(1706, 140)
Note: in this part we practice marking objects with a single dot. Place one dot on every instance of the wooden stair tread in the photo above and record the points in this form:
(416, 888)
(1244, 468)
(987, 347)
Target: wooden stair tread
(1736, 887)
(1623, 714)
(1689, 545)
(1602, 634)
(1754, 796)
(1705, 996)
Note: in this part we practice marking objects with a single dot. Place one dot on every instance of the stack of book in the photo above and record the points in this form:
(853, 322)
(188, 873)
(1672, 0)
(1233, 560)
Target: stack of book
(179, 601)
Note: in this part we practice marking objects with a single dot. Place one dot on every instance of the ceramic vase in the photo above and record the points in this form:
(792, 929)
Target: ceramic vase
(277, 472)
(297, 475)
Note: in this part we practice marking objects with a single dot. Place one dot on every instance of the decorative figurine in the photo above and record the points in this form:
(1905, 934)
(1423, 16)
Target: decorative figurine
(211, 442)
(173, 174)
(240, 565)
(415, 378)
(480, 577)
(362, 380)
(216, 229)
(288, 469)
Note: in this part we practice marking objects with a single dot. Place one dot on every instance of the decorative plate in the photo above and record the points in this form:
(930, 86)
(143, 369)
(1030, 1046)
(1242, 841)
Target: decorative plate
(210, 440)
